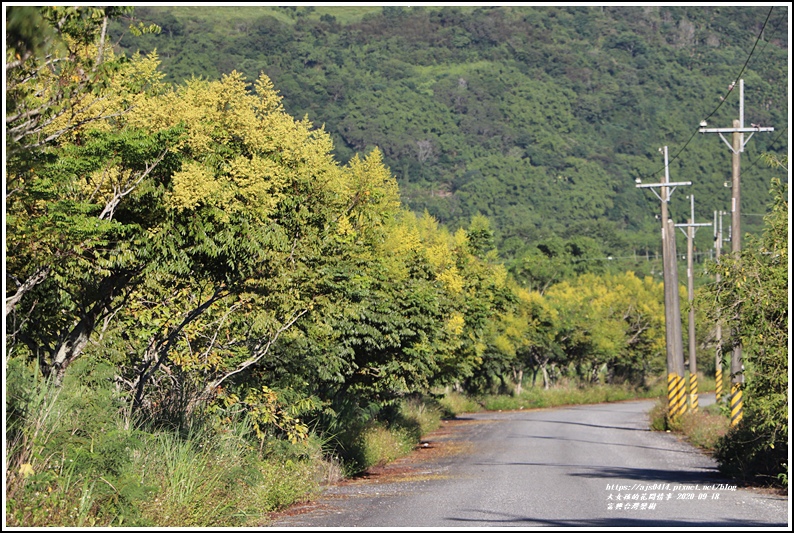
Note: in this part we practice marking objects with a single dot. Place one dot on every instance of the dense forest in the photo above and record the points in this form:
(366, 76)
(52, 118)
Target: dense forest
(540, 118)
(212, 299)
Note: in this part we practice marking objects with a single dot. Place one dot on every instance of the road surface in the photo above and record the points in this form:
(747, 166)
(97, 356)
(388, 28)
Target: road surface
(582, 466)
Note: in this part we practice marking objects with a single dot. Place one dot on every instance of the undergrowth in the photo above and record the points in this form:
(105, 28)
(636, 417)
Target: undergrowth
(76, 459)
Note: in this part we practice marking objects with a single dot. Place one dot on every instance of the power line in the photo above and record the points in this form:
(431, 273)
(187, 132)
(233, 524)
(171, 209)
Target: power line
(722, 98)
(766, 42)
(638, 257)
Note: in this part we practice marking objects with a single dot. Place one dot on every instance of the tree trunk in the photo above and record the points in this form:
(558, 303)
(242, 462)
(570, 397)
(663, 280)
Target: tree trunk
(518, 378)
(72, 347)
(159, 349)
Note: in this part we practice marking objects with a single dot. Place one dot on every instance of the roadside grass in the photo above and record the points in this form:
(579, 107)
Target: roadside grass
(379, 442)
(536, 397)
(702, 428)
(455, 403)
(74, 460)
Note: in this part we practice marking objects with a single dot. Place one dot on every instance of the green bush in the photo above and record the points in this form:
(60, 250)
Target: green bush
(455, 403)
(755, 285)
(748, 454)
(658, 416)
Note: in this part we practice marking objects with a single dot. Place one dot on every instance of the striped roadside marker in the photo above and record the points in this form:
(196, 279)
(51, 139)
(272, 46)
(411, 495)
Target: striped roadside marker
(693, 392)
(718, 391)
(681, 395)
(736, 404)
(675, 395)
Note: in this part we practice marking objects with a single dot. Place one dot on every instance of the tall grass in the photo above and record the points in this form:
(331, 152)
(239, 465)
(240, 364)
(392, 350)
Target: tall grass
(702, 428)
(74, 461)
(378, 441)
(455, 403)
(569, 394)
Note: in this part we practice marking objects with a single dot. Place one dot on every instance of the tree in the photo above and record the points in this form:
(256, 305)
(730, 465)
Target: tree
(71, 251)
(751, 298)
(246, 216)
(56, 66)
(611, 322)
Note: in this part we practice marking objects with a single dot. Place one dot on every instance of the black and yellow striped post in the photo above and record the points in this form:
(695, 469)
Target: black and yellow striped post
(676, 397)
(693, 392)
(718, 390)
(681, 394)
(737, 404)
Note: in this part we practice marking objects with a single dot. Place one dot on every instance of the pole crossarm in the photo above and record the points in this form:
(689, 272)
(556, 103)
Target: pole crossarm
(692, 223)
(672, 184)
(734, 130)
(722, 234)
(751, 131)
(692, 226)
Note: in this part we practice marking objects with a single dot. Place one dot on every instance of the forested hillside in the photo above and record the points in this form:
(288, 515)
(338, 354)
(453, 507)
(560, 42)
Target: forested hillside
(540, 118)
(213, 303)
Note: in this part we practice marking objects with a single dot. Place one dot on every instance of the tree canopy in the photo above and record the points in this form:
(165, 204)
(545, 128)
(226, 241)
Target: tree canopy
(537, 117)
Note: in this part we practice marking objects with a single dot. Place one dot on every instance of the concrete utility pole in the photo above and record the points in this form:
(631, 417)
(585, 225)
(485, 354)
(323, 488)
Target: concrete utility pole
(718, 240)
(676, 401)
(691, 227)
(737, 147)
(718, 329)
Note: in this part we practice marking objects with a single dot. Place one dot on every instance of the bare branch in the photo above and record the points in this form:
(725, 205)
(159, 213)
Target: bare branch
(218, 329)
(36, 278)
(158, 350)
(259, 353)
(110, 207)
(19, 62)
(101, 46)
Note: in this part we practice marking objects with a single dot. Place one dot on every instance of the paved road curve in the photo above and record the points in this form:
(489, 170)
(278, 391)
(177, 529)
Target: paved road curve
(583, 466)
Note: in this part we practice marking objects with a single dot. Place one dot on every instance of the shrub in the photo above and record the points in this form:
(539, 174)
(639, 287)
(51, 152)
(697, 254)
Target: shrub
(455, 403)
(755, 287)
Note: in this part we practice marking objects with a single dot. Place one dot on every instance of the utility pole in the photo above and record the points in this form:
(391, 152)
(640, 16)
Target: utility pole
(718, 332)
(718, 240)
(737, 147)
(691, 227)
(676, 401)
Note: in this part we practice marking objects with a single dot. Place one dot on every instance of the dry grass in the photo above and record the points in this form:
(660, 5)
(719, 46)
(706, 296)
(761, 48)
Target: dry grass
(702, 428)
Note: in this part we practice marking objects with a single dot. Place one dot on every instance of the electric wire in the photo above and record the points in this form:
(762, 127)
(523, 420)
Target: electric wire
(722, 100)
(785, 128)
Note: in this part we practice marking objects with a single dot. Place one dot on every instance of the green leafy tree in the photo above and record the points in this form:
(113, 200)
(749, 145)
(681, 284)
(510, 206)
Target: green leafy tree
(751, 298)
(246, 216)
(611, 322)
(57, 64)
(74, 216)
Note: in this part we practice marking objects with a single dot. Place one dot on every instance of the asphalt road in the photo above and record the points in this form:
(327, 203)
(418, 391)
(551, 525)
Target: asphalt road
(583, 466)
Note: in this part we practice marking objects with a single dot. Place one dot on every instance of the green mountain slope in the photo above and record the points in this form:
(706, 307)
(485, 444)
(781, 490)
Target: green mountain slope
(540, 118)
